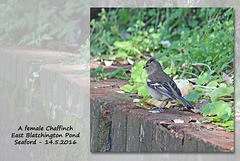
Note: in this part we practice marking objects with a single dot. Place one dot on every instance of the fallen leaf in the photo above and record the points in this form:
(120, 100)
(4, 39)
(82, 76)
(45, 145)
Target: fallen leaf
(141, 105)
(231, 103)
(130, 61)
(196, 110)
(199, 69)
(198, 122)
(178, 121)
(192, 80)
(183, 66)
(184, 85)
(108, 63)
(156, 103)
(121, 61)
(226, 77)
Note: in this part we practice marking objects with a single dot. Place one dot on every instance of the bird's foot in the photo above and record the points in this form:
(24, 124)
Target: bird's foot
(158, 109)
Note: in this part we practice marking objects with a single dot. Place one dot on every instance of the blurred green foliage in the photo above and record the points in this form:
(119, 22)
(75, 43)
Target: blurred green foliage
(48, 24)
(181, 35)
(189, 42)
(118, 73)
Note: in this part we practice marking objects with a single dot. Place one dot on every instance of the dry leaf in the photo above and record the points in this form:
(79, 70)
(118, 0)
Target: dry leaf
(141, 105)
(196, 110)
(184, 85)
(156, 103)
(178, 121)
(183, 66)
(199, 69)
(122, 61)
(192, 80)
(108, 63)
(130, 61)
(226, 77)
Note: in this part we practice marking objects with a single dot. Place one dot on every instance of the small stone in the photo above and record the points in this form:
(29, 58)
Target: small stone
(120, 92)
(136, 100)
(178, 121)
(108, 63)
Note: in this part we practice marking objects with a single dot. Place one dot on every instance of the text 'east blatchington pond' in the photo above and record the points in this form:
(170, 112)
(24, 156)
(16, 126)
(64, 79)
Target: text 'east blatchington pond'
(48, 135)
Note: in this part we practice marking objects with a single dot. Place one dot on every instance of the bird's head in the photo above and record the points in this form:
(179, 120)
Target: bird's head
(152, 65)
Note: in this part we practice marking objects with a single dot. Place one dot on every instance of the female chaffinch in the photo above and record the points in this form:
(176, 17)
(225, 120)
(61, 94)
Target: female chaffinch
(160, 86)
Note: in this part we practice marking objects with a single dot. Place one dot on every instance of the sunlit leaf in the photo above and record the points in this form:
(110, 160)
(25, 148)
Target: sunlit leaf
(221, 91)
(123, 45)
(127, 88)
(203, 78)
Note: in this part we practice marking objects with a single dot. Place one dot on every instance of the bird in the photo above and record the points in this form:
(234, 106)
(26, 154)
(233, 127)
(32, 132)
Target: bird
(160, 86)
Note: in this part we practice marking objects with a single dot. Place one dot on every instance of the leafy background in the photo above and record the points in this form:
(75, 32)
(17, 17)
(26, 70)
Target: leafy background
(192, 43)
(44, 24)
(144, 3)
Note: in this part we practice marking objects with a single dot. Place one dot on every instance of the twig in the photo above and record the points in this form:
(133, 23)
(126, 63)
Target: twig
(203, 64)
(205, 86)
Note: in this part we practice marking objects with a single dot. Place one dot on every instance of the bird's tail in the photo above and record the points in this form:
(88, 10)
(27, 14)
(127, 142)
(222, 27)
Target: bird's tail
(185, 102)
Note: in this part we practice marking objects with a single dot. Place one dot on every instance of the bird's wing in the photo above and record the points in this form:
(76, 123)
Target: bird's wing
(166, 86)
(175, 88)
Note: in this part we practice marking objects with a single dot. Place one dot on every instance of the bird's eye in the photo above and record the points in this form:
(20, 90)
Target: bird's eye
(146, 65)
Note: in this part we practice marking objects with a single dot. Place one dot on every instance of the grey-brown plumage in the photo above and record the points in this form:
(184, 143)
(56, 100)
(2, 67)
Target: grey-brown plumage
(160, 86)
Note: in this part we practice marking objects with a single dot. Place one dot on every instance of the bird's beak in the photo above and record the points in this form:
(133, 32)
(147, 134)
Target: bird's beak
(144, 67)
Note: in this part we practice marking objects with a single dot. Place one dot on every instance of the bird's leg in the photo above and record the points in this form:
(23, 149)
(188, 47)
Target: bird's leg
(165, 104)
(160, 107)
(161, 104)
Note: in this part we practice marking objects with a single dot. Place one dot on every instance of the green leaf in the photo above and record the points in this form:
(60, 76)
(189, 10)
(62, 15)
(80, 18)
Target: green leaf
(227, 123)
(123, 45)
(99, 69)
(119, 72)
(224, 116)
(230, 128)
(185, 32)
(46, 37)
(192, 23)
(167, 70)
(91, 72)
(138, 72)
(142, 90)
(115, 30)
(124, 15)
(214, 108)
(127, 88)
(173, 67)
(203, 78)
(221, 91)
(144, 99)
(213, 83)
(122, 55)
(194, 95)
